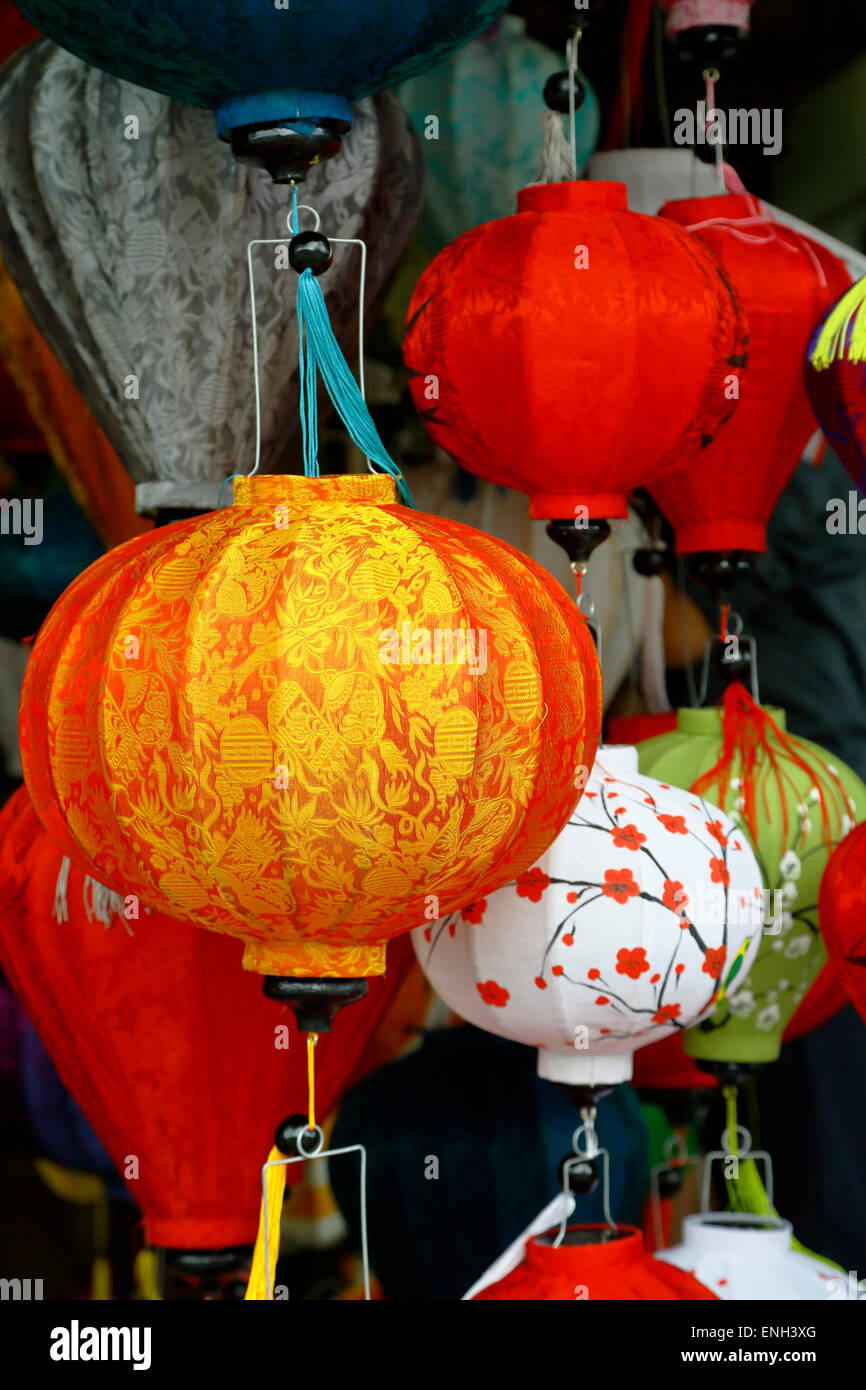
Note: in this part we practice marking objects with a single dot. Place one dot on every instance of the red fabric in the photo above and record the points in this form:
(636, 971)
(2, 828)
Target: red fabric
(784, 282)
(842, 913)
(634, 728)
(574, 350)
(624, 125)
(166, 1043)
(619, 1270)
(822, 1002)
(15, 30)
(664, 1066)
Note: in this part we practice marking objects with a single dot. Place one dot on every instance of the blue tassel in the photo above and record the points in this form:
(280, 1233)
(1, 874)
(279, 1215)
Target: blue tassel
(320, 351)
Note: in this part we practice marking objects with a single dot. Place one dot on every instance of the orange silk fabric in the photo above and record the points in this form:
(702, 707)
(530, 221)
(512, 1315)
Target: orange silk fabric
(208, 721)
(573, 351)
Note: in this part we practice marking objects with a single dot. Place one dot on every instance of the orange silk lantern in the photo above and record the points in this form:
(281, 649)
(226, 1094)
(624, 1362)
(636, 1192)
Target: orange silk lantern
(785, 282)
(310, 719)
(573, 351)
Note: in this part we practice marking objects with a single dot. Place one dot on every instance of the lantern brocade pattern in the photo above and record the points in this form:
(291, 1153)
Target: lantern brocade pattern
(574, 350)
(213, 719)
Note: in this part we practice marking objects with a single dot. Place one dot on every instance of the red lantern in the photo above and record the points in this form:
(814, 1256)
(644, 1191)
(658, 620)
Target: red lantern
(664, 1066)
(784, 281)
(614, 1270)
(573, 351)
(842, 913)
(180, 1063)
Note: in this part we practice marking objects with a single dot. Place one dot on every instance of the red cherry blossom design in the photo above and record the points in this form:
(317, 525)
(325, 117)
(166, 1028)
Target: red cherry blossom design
(602, 999)
(714, 960)
(628, 837)
(474, 912)
(619, 884)
(568, 939)
(428, 933)
(571, 897)
(664, 786)
(620, 811)
(591, 795)
(494, 994)
(542, 984)
(654, 979)
(719, 872)
(676, 825)
(452, 928)
(666, 1013)
(678, 970)
(593, 974)
(557, 970)
(610, 779)
(532, 884)
(632, 963)
(715, 828)
(674, 896)
(604, 1030)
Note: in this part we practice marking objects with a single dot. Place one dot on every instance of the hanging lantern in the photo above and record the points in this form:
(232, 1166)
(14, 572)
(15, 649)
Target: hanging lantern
(842, 915)
(596, 1264)
(112, 244)
(792, 802)
(835, 379)
(169, 1048)
(281, 78)
(309, 717)
(751, 1259)
(706, 30)
(640, 915)
(784, 282)
(573, 351)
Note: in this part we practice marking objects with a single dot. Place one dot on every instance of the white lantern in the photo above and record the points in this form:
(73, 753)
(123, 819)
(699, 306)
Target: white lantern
(646, 907)
(751, 1257)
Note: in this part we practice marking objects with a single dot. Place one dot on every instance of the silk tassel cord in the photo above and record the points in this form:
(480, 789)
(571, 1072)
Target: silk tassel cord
(319, 351)
(843, 333)
(267, 1248)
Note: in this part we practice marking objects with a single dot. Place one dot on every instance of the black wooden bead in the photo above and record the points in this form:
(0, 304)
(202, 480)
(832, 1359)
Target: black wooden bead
(310, 251)
(556, 92)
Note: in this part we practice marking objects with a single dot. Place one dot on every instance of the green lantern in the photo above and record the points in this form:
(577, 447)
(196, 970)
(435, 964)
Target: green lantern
(793, 801)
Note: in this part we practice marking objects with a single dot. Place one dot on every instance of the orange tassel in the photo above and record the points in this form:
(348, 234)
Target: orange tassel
(746, 731)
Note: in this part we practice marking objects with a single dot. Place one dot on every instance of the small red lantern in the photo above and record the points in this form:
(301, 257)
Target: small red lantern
(574, 351)
(842, 913)
(784, 281)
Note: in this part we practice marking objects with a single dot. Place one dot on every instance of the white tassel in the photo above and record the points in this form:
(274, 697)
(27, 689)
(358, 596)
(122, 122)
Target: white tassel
(557, 164)
(61, 905)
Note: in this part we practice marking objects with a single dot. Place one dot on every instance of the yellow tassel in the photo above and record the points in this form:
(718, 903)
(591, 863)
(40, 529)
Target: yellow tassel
(146, 1275)
(262, 1276)
(833, 342)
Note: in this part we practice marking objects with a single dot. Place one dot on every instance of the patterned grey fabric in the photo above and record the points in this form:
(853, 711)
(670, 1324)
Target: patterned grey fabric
(131, 255)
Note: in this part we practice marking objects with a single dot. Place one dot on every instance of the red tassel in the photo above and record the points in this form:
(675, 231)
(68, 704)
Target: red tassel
(747, 729)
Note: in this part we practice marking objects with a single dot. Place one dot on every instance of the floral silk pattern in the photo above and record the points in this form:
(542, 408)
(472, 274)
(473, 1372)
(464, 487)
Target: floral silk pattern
(208, 720)
(621, 934)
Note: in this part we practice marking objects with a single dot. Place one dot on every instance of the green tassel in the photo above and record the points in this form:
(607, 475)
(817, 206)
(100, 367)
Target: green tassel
(834, 343)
